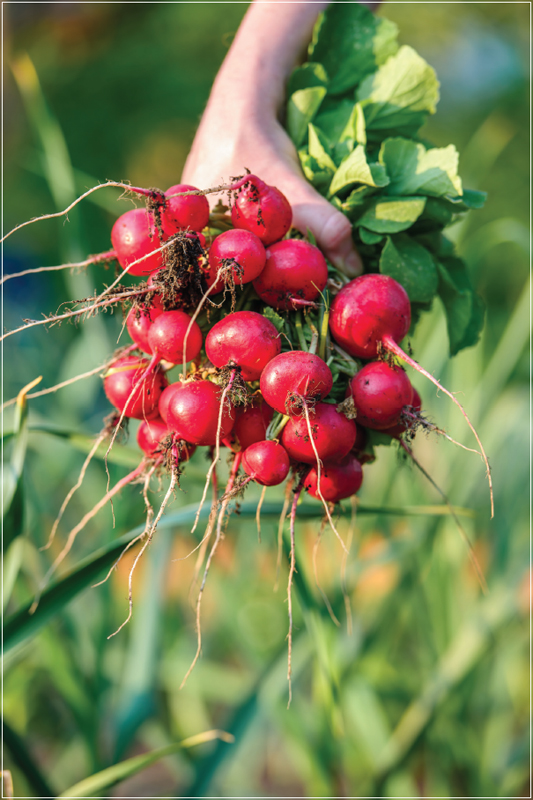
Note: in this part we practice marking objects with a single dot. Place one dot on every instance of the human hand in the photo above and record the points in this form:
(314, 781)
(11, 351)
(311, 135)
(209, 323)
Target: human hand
(240, 127)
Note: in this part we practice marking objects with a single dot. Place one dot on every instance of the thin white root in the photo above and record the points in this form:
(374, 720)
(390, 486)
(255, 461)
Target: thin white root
(395, 348)
(194, 317)
(75, 313)
(292, 570)
(217, 451)
(139, 555)
(55, 388)
(81, 525)
(258, 513)
(109, 256)
(318, 489)
(283, 515)
(99, 439)
(200, 594)
(117, 184)
(149, 517)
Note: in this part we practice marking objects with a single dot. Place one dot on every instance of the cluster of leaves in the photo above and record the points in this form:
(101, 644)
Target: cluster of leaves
(354, 112)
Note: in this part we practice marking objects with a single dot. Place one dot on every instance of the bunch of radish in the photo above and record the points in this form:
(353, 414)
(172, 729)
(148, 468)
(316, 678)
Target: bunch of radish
(283, 362)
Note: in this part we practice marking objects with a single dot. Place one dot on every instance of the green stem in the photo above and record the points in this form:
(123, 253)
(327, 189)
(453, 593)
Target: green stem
(300, 331)
(324, 325)
(276, 426)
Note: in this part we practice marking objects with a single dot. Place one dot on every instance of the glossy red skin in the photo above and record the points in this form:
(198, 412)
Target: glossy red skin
(119, 385)
(333, 435)
(243, 246)
(139, 322)
(295, 372)
(244, 338)
(150, 435)
(414, 406)
(294, 270)
(337, 480)
(268, 215)
(164, 400)
(365, 310)
(133, 236)
(379, 394)
(251, 425)
(167, 334)
(266, 462)
(189, 212)
(193, 412)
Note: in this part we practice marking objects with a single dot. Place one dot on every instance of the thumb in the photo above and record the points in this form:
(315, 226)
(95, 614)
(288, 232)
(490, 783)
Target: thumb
(331, 228)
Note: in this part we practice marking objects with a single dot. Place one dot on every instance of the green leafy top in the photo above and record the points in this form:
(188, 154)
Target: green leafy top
(354, 112)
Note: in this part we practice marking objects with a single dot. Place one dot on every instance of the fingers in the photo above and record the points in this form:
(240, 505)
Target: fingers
(332, 230)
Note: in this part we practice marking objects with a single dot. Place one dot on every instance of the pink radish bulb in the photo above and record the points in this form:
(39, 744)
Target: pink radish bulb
(366, 310)
(166, 337)
(294, 377)
(402, 427)
(119, 384)
(266, 462)
(337, 480)
(188, 212)
(261, 209)
(139, 322)
(151, 435)
(242, 246)
(380, 392)
(294, 275)
(246, 339)
(133, 236)
(193, 413)
(251, 425)
(164, 400)
(333, 435)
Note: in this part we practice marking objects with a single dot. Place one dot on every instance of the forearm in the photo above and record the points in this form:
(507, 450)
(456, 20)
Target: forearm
(266, 47)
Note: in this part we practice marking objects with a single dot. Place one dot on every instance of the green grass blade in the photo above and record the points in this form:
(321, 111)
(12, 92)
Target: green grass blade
(13, 489)
(462, 655)
(25, 762)
(118, 772)
(137, 700)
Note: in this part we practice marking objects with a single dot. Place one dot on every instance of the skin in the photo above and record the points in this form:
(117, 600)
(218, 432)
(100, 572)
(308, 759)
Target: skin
(251, 82)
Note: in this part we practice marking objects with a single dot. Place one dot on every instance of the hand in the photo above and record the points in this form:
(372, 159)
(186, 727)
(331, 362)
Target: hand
(240, 128)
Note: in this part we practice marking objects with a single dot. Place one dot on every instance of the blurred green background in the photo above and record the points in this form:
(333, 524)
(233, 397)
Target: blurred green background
(429, 695)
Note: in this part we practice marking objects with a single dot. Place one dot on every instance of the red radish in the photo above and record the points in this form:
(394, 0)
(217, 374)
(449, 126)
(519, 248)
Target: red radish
(266, 463)
(333, 435)
(139, 322)
(241, 246)
(193, 413)
(164, 400)
(380, 392)
(293, 377)
(337, 480)
(246, 339)
(373, 311)
(261, 209)
(152, 434)
(406, 424)
(188, 212)
(251, 425)
(120, 382)
(294, 275)
(167, 333)
(366, 310)
(134, 235)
